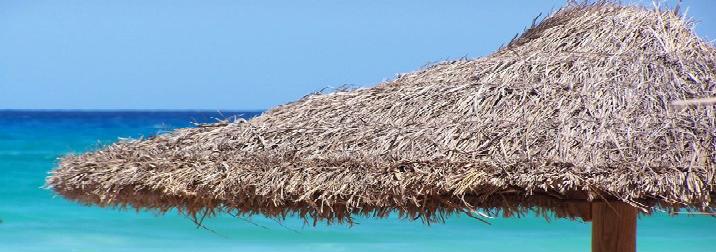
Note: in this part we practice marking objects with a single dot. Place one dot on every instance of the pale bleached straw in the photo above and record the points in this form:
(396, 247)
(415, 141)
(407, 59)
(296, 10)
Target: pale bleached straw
(698, 101)
(576, 109)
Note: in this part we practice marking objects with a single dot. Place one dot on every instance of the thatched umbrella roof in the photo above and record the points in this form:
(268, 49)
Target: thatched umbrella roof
(578, 108)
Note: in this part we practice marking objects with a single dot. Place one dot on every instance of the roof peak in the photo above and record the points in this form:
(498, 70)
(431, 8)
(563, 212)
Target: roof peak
(607, 28)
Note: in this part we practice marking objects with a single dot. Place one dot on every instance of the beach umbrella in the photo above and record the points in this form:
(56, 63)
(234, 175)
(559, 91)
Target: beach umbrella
(584, 115)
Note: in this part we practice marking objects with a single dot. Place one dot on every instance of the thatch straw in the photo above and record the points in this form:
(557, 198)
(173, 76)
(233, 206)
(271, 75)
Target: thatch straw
(576, 109)
(697, 101)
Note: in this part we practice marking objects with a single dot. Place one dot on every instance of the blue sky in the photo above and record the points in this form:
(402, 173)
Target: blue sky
(240, 55)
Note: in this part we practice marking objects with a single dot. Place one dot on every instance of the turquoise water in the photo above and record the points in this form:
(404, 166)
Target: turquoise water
(33, 219)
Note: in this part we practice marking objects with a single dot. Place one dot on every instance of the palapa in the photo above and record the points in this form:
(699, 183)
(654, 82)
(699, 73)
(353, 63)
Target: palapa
(576, 109)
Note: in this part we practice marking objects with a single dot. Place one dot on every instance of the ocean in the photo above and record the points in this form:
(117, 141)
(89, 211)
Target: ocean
(34, 219)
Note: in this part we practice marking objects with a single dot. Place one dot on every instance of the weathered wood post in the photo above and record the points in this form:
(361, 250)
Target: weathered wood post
(613, 227)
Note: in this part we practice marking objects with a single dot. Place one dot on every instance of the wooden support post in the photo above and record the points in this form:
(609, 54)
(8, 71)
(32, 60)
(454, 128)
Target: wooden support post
(613, 227)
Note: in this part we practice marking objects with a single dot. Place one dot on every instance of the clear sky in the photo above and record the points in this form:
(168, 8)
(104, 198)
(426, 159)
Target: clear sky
(248, 55)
